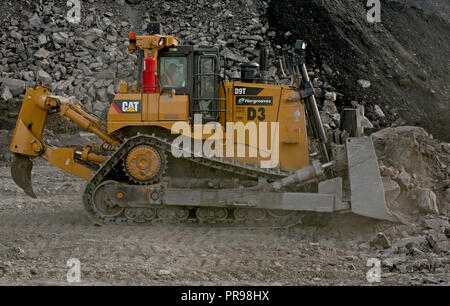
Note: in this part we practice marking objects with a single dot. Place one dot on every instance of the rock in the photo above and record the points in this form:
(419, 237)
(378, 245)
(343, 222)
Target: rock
(99, 108)
(400, 148)
(16, 35)
(447, 194)
(417, 240)
(43, 76)
(34, 21)
(228, 54)
(16, 87)
(435, 223)
(92, 34)
(379, 111)
(414, 251)
(381, 240)
(391, 189)
(430, 280)
(365, 122)
(387, 171)
(42, 53)
(405, 179)
(393, 262)
(89, 137)
(104, 75)
(28, 76)
(228, 14)
(101, 95)
(6, 94)
(438, 241)
(330, 95)
(164, 272)
(424, 199)
(329, 107)
(60, 37)
(110, 92)
(105, 23)
(327, 70)
(364, 83)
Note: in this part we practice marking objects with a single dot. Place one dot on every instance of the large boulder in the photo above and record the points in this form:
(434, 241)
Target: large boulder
(400, 148)
(424, 199)
(15, 86)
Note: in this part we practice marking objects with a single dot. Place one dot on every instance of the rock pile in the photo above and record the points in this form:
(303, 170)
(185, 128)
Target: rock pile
(418, 250)
(89, 59)
(85, 60)
(415, 171)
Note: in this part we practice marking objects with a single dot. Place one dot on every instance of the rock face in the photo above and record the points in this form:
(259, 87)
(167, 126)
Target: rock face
(359, 53)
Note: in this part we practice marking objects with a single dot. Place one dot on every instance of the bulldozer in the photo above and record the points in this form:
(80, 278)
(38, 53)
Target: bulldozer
(181, 144)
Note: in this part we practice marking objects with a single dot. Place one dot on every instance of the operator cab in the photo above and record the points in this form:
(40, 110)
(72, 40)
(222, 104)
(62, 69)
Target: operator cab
(193, 71)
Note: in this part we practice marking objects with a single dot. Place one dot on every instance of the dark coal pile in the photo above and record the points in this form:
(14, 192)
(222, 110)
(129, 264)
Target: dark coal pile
(404, 58)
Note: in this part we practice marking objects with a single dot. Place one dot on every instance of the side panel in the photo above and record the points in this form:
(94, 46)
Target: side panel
(135, 109)
(263, 103)
(126, 107)
(174, 108)
(293, 136)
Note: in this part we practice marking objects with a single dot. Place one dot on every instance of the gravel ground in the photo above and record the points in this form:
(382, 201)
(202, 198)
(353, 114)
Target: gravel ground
(37, 237)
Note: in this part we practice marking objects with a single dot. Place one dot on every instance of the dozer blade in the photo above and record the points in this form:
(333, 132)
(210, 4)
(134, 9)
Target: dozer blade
(21, 173)
(367, 191)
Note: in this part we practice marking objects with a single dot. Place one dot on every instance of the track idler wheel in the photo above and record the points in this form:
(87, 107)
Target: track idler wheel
(103, 203)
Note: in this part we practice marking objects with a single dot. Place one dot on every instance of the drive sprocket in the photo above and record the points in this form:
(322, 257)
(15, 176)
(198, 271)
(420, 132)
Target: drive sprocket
(145, 164)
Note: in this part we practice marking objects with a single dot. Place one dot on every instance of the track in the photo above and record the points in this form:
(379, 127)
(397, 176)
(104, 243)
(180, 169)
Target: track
(100, 213)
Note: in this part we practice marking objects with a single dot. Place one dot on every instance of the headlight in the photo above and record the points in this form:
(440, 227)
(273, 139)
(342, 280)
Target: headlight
(304, 45)
(161, 41)
(300, 45)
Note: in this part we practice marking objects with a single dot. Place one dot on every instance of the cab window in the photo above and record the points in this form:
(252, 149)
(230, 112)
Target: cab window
(172, 72)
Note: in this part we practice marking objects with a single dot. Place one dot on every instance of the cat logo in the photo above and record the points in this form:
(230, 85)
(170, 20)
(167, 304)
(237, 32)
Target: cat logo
(130, 107)
(127, 106)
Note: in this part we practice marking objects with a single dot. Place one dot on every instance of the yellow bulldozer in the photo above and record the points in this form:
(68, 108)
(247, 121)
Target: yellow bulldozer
(182, 144)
